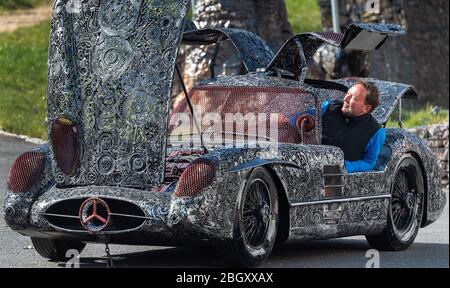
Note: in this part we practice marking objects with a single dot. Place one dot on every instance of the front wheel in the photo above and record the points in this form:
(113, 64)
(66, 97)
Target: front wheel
(256, 222)
(405, 210)
(55, 249)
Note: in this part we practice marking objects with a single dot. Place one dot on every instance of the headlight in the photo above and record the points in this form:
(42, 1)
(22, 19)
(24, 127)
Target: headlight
(64, 138)
(198, 175)
(26, 171)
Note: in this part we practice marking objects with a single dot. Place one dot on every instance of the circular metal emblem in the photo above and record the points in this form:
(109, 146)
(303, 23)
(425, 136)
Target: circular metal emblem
(118, 17)
(137, 163)
(140, 107)
(94, 214)
(112, 57)
(105, 164)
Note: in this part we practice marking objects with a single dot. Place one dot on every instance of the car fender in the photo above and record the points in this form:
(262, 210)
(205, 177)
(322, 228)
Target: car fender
(17, 205)
(401, 141)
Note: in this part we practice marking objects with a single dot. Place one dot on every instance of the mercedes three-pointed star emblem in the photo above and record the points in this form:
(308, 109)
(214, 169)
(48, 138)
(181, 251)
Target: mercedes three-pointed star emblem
(94, 214)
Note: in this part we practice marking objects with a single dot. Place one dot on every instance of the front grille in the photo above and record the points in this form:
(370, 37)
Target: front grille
(125, 216)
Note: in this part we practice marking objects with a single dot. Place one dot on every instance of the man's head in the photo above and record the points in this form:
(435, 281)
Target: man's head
(360, 99)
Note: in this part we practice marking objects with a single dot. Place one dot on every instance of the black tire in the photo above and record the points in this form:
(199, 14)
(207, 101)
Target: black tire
(255, 223)
(405, 210)
(55, 249)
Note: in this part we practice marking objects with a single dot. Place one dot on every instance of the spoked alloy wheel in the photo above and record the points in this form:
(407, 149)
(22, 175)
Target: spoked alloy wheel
(256, 213)
(405, 209)
(404, 196)
(255, 223)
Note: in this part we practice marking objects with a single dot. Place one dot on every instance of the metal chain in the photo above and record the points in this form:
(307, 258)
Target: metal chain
(109, 260)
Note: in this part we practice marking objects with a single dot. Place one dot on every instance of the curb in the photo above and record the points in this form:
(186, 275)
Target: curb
(23, 137)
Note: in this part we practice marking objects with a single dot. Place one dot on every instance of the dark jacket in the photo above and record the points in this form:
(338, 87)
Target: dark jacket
(351, 134)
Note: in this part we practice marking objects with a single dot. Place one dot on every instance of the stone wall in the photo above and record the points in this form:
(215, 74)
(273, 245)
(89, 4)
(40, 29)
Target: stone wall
(420, 58)
(437, 138)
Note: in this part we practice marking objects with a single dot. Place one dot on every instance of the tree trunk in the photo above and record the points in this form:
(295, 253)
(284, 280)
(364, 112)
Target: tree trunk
(421, 57)
(331, 62)
(428, 41)
(266, 18)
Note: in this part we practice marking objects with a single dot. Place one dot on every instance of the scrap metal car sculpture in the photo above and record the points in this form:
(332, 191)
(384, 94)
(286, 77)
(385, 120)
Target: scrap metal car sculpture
(121, 168)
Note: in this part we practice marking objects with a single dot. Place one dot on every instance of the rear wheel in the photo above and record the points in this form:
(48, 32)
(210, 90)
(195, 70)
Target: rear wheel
(256, 222)
(55, 249)
(405, 210)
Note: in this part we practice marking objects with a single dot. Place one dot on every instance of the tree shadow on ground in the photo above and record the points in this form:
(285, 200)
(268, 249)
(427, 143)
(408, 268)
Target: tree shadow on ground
(335, 253)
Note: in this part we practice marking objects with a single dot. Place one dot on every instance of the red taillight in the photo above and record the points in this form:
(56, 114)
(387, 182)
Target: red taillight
(197, 176)
(64, 137)
(26, 171)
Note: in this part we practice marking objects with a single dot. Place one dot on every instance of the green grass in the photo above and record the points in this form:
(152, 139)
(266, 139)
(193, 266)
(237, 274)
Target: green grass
(23, 80)
(9, 5)
(304, 15)
(421, 117)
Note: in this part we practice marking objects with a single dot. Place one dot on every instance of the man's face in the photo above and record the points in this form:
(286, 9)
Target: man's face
(355, 102)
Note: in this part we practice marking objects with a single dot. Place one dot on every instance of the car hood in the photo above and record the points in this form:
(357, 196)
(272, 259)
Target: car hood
(111, 67)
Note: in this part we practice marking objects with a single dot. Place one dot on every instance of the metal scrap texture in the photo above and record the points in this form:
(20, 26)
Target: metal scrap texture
(110, 71)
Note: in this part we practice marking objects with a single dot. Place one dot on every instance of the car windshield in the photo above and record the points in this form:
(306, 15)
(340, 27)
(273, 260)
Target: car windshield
(243, 114)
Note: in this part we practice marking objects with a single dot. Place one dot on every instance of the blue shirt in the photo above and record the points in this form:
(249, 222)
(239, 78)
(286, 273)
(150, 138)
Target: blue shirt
(371, 151)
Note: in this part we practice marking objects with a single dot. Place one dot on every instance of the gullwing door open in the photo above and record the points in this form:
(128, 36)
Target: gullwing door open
(298, 51)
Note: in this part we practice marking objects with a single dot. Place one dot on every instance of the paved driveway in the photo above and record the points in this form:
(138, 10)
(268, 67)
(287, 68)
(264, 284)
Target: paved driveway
(429, 250)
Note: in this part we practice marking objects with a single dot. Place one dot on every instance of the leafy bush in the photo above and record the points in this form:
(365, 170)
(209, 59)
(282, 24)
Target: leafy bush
(304, 15)
(419, 117)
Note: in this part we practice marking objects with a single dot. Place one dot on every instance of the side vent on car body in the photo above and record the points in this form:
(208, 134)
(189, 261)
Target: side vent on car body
(333, 183)
(332, 188)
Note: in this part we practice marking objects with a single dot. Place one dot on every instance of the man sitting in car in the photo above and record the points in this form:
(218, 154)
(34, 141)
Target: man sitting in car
(350, 126)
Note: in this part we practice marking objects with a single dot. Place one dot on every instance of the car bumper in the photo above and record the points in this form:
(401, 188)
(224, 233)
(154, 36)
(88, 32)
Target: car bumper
(163, 220)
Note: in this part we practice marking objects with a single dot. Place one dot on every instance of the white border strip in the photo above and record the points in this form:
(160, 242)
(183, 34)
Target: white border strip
(23, 137)
(340, 200)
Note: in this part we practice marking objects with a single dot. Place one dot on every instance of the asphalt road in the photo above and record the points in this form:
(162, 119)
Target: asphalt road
(430, 248)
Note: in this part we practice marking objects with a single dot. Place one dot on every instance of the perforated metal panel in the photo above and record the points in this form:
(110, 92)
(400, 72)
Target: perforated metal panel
(198, 175)
(64, 139)
(247, 111)
(26, 171)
